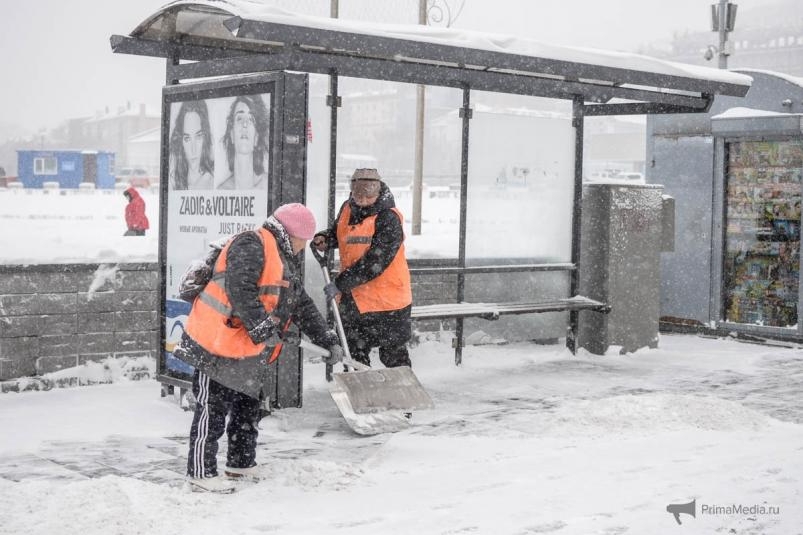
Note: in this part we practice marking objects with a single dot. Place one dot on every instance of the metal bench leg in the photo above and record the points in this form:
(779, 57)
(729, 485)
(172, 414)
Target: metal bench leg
(457, 342)
(571, 332)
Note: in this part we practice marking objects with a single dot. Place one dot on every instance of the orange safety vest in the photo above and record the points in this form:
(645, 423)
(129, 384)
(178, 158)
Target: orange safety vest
(391, 290)
(210, 322)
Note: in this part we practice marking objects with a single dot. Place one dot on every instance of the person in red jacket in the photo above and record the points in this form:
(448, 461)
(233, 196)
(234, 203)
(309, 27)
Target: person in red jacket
(135, 217)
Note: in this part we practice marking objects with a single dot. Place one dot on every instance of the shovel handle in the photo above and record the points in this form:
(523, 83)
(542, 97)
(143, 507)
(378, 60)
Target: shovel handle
(318, 350)
(341, 333)
(320, 256)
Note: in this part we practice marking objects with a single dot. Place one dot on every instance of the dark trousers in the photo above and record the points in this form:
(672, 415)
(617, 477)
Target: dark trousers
(389, 331)
(214, 402)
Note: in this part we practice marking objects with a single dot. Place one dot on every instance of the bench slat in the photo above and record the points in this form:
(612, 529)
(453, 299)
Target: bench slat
(494, 310)
(476, 270)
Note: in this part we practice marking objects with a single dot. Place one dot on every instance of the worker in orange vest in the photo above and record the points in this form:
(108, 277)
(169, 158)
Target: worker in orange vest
(373, 286)
(234, 328)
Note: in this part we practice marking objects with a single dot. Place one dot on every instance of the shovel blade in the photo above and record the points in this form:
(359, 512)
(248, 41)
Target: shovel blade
(368, 424)
(386, 389)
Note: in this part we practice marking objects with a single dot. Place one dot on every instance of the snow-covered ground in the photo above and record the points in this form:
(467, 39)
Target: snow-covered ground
(524, 439)
(70, 225)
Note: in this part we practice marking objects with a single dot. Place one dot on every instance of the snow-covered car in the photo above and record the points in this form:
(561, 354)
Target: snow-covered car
(135, 176)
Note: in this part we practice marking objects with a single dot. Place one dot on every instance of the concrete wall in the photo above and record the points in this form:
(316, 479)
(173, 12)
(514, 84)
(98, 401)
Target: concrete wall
(59, 316)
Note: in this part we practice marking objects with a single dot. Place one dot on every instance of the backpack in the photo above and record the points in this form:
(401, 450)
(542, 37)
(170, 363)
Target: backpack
(199, 272)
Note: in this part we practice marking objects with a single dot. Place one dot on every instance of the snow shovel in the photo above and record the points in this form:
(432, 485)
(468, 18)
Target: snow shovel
(371, 400)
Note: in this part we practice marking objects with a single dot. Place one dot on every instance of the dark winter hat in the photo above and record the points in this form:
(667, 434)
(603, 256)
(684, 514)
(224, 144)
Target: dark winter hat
(297, 220)
(365, 183)
(366, 174)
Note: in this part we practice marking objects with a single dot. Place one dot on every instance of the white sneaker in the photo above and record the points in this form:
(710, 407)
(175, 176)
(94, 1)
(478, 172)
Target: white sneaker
(252, 473)
(217, 484)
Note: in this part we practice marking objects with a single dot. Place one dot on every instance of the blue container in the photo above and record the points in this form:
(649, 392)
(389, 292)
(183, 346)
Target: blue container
(69, 168)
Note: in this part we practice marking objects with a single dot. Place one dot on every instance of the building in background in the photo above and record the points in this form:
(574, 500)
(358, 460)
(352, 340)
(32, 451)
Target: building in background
(119, 132)
(142, 151)
(768, 37)
(67, 168)
(113, 131)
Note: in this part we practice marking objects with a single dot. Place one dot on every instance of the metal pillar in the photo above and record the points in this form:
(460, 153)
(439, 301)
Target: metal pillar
(333, 101)
(723, 34)
(578, 120)
(418, 170)
(465, 114)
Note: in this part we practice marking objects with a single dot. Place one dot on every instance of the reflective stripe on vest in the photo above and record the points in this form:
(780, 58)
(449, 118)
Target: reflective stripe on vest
(220, 278)
(210, 322)
(391, 290)
(359, 239)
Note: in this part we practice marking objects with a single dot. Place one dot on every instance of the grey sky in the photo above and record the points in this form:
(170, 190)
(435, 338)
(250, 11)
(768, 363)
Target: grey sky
(57, 63)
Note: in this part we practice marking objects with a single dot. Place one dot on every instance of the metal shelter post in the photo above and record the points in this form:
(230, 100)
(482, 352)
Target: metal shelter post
(333, 101)
(578, 121)
(167, 388)
(465, 115)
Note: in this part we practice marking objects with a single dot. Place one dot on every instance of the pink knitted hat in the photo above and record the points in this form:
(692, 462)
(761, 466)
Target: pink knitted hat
(297, 220)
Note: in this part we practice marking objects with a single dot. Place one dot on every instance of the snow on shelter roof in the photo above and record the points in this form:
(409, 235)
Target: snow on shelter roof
(237, 36)
(794, 80)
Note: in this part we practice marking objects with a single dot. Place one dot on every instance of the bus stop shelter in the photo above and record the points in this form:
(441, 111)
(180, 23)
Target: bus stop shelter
(223, 40)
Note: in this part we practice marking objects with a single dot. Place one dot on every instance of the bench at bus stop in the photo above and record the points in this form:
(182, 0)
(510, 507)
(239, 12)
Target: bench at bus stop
(459, 310)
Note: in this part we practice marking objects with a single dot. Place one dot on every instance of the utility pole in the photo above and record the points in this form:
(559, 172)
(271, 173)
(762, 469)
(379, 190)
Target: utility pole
(418, 171)
(723, 21)
(723, 34)
(333, 101)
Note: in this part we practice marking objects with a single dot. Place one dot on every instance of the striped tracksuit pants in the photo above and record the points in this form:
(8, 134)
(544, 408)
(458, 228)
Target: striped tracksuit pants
(214, 402)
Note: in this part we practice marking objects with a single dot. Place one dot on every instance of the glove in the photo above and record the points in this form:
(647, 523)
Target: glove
(329, 339)
(319, 242)
(291, 338)
(336, 355)
(330, 291)
(264, 331)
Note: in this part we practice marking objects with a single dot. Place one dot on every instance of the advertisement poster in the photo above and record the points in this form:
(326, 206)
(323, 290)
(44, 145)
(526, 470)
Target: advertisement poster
(218, 177)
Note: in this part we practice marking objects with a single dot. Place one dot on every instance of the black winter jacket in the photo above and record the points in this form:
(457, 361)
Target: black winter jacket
(388, 237)
(395, 325)
(244, 263)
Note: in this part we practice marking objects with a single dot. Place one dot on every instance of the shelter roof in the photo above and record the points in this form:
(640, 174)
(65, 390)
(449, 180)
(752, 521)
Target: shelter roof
(795, 80)
(227, 37)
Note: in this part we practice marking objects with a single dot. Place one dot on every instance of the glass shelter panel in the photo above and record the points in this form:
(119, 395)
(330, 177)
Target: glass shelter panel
(377, 129)
(521, 179)
(318, 132)
(520, 187)
(762, 238)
